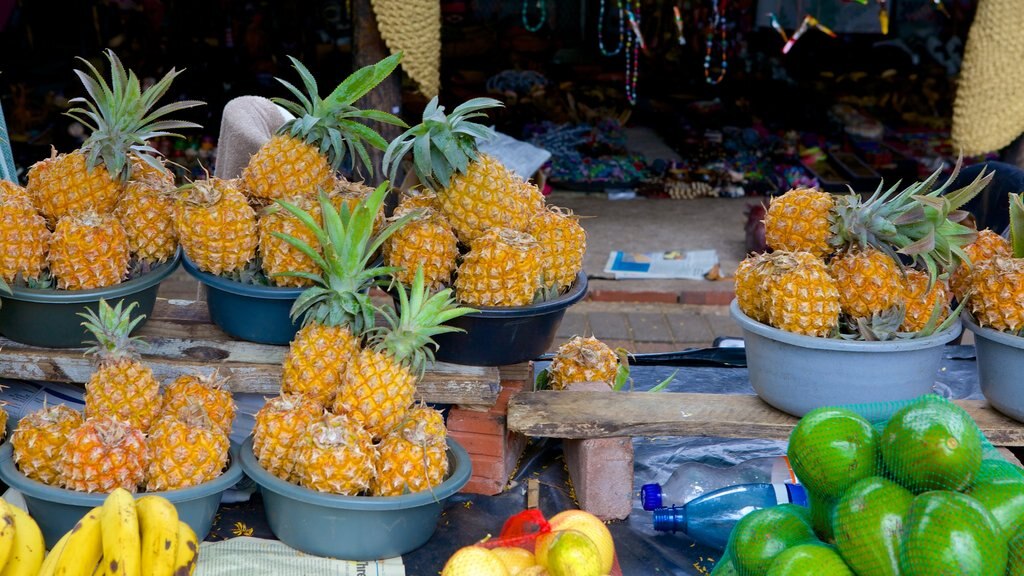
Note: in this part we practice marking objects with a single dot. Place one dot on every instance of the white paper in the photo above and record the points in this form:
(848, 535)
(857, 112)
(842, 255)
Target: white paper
(692, 265)
(257, 556)
(522, 158)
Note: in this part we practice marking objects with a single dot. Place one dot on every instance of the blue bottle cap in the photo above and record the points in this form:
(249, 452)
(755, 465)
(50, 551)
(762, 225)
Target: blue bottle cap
(797, 494)
(650, 496)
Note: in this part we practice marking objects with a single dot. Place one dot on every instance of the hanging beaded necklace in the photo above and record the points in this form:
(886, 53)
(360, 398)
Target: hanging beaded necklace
(718, 24)
(632, 54)
(542, 5)
(600, 30)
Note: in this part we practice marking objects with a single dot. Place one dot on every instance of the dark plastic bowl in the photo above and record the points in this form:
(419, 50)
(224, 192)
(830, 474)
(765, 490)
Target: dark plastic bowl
(247, 311)
(1000, 365)
(49, 318)
(359, 528)
(503, 336)
(56, 510)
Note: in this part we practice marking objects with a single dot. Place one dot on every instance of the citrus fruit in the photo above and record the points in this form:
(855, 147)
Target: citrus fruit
(810, 558)
(867, 524)
(1003, 497)
(534, 571)
(588, 524)
(474, 561)
(997, 468)
(932, 444)
(724, 567)
(831, 448)
(822, 509)
(514, 558)
(1016, 562)
(573, 553)
(763, 534)
(948, 532)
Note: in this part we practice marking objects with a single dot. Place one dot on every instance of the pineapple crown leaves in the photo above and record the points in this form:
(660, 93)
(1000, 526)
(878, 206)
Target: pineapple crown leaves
(121, 118)
(1017, 224)
(333, 123)
(112, 328)
(419, 318)
(341, 295)
(441, 145)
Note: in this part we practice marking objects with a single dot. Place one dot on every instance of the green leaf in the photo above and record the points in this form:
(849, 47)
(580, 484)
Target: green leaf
(1017, 225)
(363, 80)
(664, 383)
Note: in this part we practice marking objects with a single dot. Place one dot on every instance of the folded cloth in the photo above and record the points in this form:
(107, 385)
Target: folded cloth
(247, 123)
(246, 555)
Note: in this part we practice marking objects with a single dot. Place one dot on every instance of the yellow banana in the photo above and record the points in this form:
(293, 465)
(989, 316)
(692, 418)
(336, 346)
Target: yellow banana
(29, 547)
(158, 520)
(122, 545)
(84, 546)
(6, 531)
(188, 550)
(50, 562)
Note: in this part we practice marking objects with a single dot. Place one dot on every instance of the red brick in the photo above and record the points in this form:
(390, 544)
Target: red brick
(631, 296)
(485, 486)
(515, 444)
(481, 444)
(461, 420)
(721, 297)
(707, 297)
(489, 467)
(654, 347)
(501, 404)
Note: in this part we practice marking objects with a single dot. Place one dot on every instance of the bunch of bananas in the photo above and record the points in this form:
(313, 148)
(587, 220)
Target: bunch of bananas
(126, 537)
(21, 542)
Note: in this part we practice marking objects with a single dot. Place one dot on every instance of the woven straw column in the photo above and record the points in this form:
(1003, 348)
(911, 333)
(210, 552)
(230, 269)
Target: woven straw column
(414, 27)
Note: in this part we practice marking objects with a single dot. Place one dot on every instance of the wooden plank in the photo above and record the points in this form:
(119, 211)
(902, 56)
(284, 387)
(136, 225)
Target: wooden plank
(611, 414)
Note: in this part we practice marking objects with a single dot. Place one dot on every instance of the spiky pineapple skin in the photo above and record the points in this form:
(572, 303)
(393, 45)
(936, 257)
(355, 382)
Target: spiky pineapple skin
(125, 390)
(869, 281)
(147, 214)
(182, 454)
(375, 391)
(997, 301)
(750, 277)
(103, 454)
(412, 458)
(502, 268)
(88, 251)
(799, 221)
(987, 246)
(279, 256)
(316, 360)
(563, 243)
(219, 236)
(207, 391)
(800, 294)
(24, 237)
(582, 360)
(280, 426)
(39, 438)
(920, 300)
(426, 241)
(64, 185)
(337, 456)
(286, 166)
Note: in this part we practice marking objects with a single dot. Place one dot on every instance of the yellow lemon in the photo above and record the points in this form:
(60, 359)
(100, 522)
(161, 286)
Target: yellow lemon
(573, 553)
(590, 525)
(533, 571)
(515, 559)
(474, 561)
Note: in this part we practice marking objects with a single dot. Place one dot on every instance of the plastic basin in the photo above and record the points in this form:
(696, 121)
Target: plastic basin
(797, 373)
(56, 510)
(1000, 368)
(49, 318)
(360, 528)
(503, 336)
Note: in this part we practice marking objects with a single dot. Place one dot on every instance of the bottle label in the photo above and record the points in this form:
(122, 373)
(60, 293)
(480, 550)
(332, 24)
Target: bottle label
(782, 472)
(790, 494)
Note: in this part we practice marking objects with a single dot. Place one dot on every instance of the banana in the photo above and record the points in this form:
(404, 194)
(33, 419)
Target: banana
(188, 550)
(6, 531)
(50, 562)
(122, 545)
(84, 546)
(158, 519)
(29, 547)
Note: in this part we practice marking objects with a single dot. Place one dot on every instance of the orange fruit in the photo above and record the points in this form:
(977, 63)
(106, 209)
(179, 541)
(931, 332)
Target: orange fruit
(515, 559)
(474, 561)
(586, 523)
(573, 553)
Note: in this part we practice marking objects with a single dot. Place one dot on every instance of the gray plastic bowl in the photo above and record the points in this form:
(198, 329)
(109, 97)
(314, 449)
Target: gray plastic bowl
(1000, 368)
(49, 318)
(56, 510)
(359, 528)
(797, 373)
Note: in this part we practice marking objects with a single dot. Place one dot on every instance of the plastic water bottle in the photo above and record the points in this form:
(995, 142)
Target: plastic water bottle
(709, 519)
(693, 479)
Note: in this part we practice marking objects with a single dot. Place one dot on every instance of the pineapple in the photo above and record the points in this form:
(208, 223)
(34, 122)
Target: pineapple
(426, 240)
(185, 449)
(88, 250)
(750, 277)
(316, 360)
(800, 295)
(474, 191)
(921, 300)
(799, 221)
(997, 284)
(413, 457)
(869, 282)
(987, 246)
(146, 211)
(121, 118)
(348, 194)
(207, 391)
(502, 268)
(337, 456)
(563, 243)
(39, 438)
(122, 387)
(102, 454)
(583, 360)
(23, 235)
(280, 425)
(302, 157)
(215, 225)
(278, 256)
(155, 174)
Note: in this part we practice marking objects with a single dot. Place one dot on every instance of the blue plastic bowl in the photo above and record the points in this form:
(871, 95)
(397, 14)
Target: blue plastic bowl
(1000, 365)
(57, 510)
(359, 528)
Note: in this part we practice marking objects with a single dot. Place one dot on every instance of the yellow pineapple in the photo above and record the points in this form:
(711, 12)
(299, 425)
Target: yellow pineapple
(336, 456)
(921, 300)
(23, 235)
(750, 276)
(280, 425)
(502, 268)
(122, 387)
(146, 210)
(9, 189)
(583, 360)
(413, 457)
(278, 255)
(563, 243)
(800, 294)
(987, 246)
(121, 119)
(302, 157)
(799, 221)
(208, 391)
(88, 250)
(153, 172)
(347, 194)
(475, 192)
(316, 360)
(427, 240)
(997, 284)
(215, 225)
(418, 199)
(39, 438)
(869, 282)
(102, 454)
(185, 449)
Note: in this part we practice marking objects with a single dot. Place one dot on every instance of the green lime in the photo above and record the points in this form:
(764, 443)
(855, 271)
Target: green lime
(724, 567)
(868, 521)
(822, 509)
(810, 558)
(1003, 497)
(763, 534)
(1016, 562)
(951, 533)
(831, 448)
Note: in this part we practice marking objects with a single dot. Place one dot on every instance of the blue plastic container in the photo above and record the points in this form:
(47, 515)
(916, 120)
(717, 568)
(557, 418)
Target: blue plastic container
(360, 528)
(57, 510)
(1000, 366)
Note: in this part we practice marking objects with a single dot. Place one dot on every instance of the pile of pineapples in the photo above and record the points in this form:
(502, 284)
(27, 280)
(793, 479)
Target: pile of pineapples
(872, 269)
(131, 436)
(99, 215)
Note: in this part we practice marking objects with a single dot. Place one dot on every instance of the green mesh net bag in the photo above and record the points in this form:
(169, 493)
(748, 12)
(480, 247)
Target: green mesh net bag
(908, 488)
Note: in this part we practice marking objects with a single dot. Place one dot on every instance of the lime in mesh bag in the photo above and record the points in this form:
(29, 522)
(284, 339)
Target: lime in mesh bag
(908, 488)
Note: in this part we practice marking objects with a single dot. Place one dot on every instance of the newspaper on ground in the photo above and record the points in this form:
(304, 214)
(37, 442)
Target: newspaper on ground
(522, 158)
(258, 556)
(672, 264)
